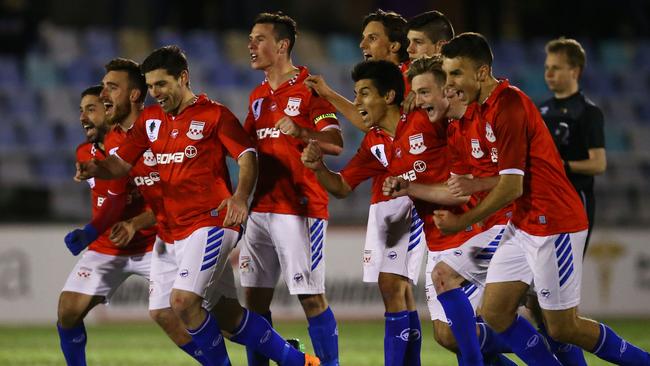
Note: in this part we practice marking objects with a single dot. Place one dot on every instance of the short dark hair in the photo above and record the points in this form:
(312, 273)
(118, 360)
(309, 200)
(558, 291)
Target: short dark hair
(470, 45)
(424, 65)
(433, 24)
(575, 54)
(170, 58)
(284, 26)
(384, 75)
(395, 26)
(136, 79)
(95, 90)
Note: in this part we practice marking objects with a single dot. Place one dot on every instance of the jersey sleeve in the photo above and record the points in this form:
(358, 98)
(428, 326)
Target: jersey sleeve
(232, 135)
(595, 125)
(249, 123)
(83, 153)
(511, 134)
(136, 142)
(323, 114)
(362, 166)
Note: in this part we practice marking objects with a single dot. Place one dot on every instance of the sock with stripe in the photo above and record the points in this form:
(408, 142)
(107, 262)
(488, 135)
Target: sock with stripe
(492, 347)
(209, 340)
(414, 346)
(396, 335)
(193, 350)
(460, 316)
(610, 347)
(255, 332)
(528, 344)
(256, 358)
(73, 344)
(324, 335)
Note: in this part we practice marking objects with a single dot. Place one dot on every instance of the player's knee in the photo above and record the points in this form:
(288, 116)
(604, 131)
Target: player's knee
(393, 288)
(444, 337)
(161, 316)
(563, 332)
(69, 313)
(313, 304)
(184, 305)
(444, 278)
(497, 320)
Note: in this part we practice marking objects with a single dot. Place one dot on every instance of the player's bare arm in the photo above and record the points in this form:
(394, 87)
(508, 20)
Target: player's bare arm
(509, 188)
(312, 158)
(317, 84)
(466, 185)
(110, 168)
(123, 231)
(435, 193)
(330, 140)
(596, 164)
(237, 205)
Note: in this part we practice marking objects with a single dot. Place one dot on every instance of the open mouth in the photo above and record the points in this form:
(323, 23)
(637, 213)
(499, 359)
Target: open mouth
(367, 56)
(253, 57)
(162, 101)
(109, 107)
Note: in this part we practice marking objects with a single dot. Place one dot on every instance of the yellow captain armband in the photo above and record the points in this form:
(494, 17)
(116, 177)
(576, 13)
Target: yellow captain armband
(323, 116)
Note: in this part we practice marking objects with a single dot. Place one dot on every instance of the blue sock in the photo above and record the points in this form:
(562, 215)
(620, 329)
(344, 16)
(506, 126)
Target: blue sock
(460, 316)
(414, 345)
(396, 337)
(255, 332)
(528, 344)
(73, 344)
(610, 347)
(193, 350)
(568, 354)
(492, 347)
(209, 340)
(324, 336)
(255, 358)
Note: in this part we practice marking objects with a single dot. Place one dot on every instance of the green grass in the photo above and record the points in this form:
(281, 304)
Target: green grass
(143, 344)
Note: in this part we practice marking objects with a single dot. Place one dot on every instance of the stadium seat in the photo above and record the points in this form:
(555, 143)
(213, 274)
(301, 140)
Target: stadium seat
(134, 43)
(343, 49)
(166, 37)
(204, 46)
(100, 45)
(10, 74)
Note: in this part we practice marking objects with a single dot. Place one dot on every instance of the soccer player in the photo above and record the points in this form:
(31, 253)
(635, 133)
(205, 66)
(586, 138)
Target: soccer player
(286, 229)
(544, 239)
(427, 32)
(575, 122)
(189, 135)
(383, 38)
(451, 304)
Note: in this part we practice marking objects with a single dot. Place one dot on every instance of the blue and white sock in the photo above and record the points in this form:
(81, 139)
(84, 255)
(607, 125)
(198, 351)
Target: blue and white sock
(396, 337)
(460, 317)
(610, 347)
(255, 332)
(414, 345)
(324, 335)
(568, 354)
(209, 340)
(255, 358)
(492, 347)
(528, 344)
(193, 350)
(73, 344)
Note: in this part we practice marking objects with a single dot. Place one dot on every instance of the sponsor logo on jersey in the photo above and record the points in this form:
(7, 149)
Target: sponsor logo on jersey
(177, 157)
(293, 107)
(542, 219)
(476, 149)
(190, 151)
(113, 150)
(195, 132)
(532, 341)
(273, 107)
(392, 255)
(398, 152)
(416, 144)
(147, 180)
(184, 273)
(93, 150)
(367, 256)
(379, 152)
(174, 133)
(149, 158)
(245, 264)
(100, 201)
(494, 155)
(545, 292)
(268, 132)
(298, 277)
(256, 108)
(419, 166)
(91, 182)
(152, 126)
(410, 175)
(489, 134)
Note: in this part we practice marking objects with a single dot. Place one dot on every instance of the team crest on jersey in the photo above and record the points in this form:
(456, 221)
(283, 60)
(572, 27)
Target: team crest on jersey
(419, 166)
(489, 134)
(152, 126)
(256, 108)
(494, 155)
(476, 149)
(149, 158)
(380, 153)
(416, 144)
(293, 107)
(195, 132)
(93, 150)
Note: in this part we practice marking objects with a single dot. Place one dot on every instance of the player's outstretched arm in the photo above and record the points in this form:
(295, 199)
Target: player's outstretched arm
(342, 104)
(466, 185)
(596, 164)
(110, 168)
(435, 193)
(312, 158)
(123, 231)
(237, 205)
(330, 140)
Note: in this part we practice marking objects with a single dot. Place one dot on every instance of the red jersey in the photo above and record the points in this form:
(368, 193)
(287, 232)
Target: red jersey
(285, 185)
(549, 204)
(473, 150)
(142, 242)
(370, 161)
(190, 150)
(420, 155)
(144, 177)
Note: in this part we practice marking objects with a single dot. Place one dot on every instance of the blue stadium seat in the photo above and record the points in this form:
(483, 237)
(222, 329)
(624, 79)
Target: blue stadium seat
(164, 37)
(10, 74)
(100, 45)
(41, 72)
(343, 49)
(204, 46)
(616, 55)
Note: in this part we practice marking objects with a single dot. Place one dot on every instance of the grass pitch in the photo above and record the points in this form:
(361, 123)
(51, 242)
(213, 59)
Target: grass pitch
(143, 344)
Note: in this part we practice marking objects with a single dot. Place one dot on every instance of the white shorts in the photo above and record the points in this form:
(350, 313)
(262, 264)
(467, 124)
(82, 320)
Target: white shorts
(288, 244)
(198, 264)
(472, 258)
(553, 263)
(98, 274)
(395, 241)
(473, 292)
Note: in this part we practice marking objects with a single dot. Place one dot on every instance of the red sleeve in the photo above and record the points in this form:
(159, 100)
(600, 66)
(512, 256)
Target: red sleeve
(137, 141)
(322, 113)
(510, 130)
(249, 123)
(232, 135)
(362, 166)
(83, 153)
